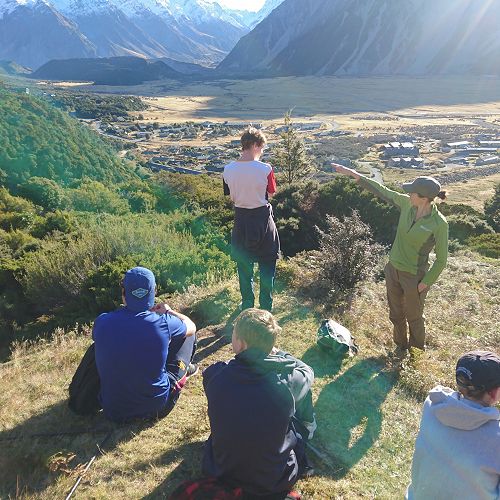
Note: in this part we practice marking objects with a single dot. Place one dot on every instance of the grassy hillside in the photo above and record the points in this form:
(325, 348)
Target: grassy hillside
(368, 412)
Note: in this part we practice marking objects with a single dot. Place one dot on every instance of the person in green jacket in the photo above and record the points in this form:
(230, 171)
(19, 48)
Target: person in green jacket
(421, 228)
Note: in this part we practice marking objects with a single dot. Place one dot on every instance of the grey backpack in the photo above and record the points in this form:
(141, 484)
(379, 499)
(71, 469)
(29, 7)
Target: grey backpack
(336, 338)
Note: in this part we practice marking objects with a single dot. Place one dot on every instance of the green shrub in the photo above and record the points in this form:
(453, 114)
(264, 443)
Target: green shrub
(464, 226)
(486, 244)
(44, 192)
(65, 271)
(61, 222)
(93, 196)
(492, 209)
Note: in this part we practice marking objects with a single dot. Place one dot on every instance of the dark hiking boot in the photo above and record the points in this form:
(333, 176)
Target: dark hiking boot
(192, 370)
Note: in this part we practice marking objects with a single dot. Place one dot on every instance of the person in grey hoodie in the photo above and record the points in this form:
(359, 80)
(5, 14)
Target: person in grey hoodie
(457, 451)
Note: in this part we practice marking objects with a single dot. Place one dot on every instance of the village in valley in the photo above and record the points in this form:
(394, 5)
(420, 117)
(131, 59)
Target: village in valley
(197, 147)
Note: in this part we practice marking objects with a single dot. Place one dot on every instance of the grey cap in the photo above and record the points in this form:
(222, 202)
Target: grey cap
(427, 187)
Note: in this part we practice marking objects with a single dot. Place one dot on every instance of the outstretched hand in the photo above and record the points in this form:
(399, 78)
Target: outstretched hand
(340, 169)
(422, 287)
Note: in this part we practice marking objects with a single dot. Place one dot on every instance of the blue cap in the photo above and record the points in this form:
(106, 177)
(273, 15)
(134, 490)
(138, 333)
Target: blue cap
(140, 286)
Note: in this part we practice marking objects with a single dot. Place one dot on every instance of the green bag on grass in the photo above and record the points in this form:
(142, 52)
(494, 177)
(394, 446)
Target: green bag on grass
(336, 338)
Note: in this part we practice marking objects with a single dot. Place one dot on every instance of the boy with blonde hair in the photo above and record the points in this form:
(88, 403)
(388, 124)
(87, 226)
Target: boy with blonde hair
(260, 410)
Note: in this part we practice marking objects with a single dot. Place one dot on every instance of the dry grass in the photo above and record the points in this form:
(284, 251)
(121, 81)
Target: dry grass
(473, 192)
(367, 412)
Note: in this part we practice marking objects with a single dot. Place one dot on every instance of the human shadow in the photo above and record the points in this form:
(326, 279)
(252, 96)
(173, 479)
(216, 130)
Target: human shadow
(190, 455)
(210, 310)
(209, 345)
(36, 451)
(349, 416)
(323, 362)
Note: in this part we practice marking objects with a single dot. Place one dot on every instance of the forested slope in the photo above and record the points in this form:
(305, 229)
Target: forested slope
(38, 140)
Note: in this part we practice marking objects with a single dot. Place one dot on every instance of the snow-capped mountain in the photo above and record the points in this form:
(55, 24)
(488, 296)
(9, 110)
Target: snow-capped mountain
(372, 37)
(263, 12)
(35, 31)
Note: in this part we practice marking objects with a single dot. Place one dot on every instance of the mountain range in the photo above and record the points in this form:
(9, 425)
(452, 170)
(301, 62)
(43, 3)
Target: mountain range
(372, 37)
(286, 37)
(33, 32)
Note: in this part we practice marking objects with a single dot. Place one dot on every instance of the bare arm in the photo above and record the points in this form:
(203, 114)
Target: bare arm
(165, 309)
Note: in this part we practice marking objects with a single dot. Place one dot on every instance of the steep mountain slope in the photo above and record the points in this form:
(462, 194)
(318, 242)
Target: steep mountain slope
(35, 31)
(264, 11)
(373, 37)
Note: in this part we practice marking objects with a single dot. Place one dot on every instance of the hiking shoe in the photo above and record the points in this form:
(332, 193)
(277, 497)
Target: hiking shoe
(192, 370)
(399, 352)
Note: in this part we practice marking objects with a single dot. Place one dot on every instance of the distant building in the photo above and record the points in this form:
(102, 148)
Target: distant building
(490, 144)
(456, 160)
(456, 146)
(406, 162)
(399, 149)
(481, 150)
(488, 160)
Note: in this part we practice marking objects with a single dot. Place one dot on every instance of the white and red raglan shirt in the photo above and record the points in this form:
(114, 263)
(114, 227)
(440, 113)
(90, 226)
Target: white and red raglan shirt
(248, 183)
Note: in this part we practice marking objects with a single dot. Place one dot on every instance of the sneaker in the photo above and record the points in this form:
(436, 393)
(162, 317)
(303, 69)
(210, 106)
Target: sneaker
(192, 370)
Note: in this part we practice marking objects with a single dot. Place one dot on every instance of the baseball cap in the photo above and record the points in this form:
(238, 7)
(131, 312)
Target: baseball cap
(424, 186)
(479, 369)
(139, 284)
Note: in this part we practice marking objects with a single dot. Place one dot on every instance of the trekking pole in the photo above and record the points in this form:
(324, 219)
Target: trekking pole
(91, 461)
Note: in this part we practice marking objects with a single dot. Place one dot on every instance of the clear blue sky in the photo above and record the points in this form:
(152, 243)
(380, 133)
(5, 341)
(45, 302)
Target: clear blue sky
(242, 4)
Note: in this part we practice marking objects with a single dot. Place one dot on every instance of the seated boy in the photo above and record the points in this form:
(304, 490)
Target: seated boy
(142, 351)
(256, 404)
(457, 452)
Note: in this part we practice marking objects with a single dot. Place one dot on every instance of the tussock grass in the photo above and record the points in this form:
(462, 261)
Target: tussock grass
(368, 411)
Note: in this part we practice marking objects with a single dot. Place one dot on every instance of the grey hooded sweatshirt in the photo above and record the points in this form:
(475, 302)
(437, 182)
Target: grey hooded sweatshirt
(457, 451)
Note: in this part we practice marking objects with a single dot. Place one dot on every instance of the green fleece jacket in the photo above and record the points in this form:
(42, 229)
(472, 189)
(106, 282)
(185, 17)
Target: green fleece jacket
(414, 239)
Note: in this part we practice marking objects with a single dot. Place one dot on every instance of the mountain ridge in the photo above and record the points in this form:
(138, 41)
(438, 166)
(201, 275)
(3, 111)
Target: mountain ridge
(372, 37)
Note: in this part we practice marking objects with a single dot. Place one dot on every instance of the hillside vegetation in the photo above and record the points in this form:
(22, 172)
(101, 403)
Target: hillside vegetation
(73, 218)
(367, 411)
(38, 140)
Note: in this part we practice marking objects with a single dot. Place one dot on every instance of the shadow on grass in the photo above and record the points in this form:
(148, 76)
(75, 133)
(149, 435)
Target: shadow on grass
(349, 415)
(211, 310)
(37, 451)
(209, 345)
(189, 457)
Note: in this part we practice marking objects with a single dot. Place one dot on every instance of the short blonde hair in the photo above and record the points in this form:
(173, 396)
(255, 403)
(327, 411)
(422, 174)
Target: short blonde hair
(257, 328)
(252, 136)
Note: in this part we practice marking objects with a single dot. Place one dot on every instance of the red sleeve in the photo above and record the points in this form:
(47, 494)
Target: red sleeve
(271, 183)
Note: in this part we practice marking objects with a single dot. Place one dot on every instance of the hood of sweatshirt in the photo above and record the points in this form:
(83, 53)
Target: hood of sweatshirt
(453, 410)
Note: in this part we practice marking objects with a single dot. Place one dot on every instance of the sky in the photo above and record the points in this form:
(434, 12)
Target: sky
(242, 4)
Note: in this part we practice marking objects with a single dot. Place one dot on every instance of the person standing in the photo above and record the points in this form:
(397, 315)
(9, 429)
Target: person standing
(254, 238)
(457, 451)
(421, 228)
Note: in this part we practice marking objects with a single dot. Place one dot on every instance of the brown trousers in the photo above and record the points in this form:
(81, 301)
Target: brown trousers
(406, 306)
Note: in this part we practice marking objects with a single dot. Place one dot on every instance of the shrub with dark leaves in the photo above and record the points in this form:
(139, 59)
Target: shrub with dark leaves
(347, 256)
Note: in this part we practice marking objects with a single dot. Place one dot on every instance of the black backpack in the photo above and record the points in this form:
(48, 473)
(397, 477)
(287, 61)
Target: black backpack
(85, 386)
